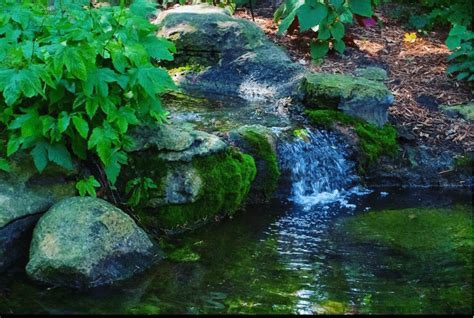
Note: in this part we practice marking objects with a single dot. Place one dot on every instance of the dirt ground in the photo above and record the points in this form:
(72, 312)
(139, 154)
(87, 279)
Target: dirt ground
(417, 74)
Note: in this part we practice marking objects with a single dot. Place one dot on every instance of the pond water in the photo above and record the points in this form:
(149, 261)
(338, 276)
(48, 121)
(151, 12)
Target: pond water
(280, 258)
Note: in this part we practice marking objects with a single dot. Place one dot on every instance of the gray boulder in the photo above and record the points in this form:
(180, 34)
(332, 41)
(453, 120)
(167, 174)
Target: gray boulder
(233, 55)
(357, 97)
(87, 242)
(24, 196)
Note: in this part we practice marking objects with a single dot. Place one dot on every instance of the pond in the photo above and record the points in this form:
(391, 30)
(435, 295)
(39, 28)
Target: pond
(283, 258)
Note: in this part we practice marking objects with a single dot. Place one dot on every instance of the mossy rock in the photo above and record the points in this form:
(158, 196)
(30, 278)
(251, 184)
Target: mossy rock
(372, 73)
(465, 111)
(87, 242)
(24, 196)
(357, 97)
(373, 142)
(226, 180)
(260, 143)
(204, 28)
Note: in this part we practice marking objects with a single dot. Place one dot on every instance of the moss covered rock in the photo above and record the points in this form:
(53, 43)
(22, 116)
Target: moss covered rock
(87, 242)
(372, 73)
(260, 143)
(357, 97)
(24, 196)
(204, 28)
(195, 184)
(465, 111)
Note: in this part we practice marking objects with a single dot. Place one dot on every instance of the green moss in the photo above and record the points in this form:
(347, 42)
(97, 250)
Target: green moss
(187, 67)
(418, 232)
(227, 178)
(263, 150)
(373, 141)
(464, 163)
(328, 89)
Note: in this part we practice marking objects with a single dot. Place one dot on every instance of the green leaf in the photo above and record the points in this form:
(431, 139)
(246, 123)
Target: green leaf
(338, 30)
(153, 80)
(75, 62)
(339, 46)
(311, 15)
(59, 154)
(87, 186)
(63, 121)
(159, 48)
(97, 81)
(81, 126)
(40, 155)
(112, 169)
(361, 7)
(92, 104)
(453, 42)
(319, 49)
(4, 165)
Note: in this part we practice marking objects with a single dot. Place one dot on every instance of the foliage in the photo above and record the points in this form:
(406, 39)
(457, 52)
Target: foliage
(87, 186)
(75, 78)
(326, 17)
(139, 189)
(373, 141)
(457, 14)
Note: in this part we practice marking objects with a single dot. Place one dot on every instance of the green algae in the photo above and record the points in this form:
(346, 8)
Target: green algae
(417, 230)
(374, 142)
(263, 150)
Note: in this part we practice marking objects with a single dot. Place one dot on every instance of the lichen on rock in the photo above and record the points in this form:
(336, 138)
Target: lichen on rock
(87, 242)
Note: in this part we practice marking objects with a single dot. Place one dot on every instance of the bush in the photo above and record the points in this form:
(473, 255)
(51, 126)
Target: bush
(326, 17)
(74, 78)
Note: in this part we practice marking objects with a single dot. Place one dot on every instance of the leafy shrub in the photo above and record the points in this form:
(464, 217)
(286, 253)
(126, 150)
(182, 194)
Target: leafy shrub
(457, 14)
(74, 78)
(326, 17)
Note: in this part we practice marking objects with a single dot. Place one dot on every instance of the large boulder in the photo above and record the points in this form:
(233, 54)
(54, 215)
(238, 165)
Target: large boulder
(87, 242)
(196, 182)
(260, 142)
(221, 54)
(24, 196)
(356, 96)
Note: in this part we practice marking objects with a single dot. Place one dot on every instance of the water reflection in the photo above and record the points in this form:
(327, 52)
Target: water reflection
(277, 259)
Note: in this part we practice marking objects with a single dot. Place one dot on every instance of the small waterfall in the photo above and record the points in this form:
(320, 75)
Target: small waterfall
(320, 172)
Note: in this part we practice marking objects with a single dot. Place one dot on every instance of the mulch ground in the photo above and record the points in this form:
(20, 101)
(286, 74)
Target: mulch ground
(417, 74)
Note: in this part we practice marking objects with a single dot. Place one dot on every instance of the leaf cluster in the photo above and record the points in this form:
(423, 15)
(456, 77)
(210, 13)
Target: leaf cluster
(74, 78)
(325, 17)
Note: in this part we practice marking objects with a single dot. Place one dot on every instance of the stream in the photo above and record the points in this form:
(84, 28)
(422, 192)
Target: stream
(292, 255)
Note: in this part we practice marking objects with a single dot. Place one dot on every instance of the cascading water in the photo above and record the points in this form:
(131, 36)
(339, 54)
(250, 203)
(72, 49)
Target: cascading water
(320, 171)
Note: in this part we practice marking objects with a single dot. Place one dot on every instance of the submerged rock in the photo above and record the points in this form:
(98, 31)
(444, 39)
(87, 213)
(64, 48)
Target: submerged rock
(358, 97)
(24, 196)
(233, 55)
(260, 142)
(87, 242)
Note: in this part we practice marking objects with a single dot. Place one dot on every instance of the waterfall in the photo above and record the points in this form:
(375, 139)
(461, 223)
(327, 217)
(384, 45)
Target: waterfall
(319, 169)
